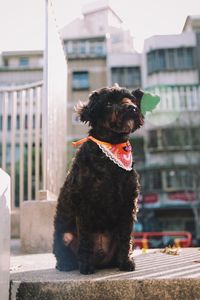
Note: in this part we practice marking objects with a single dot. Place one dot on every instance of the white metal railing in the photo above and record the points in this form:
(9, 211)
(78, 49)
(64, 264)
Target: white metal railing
(4, 233)
(33, 125)
(178, 98)
(20, 139)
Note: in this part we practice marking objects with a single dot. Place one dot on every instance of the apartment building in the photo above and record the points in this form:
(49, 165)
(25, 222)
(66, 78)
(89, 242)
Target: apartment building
(21, 67)
(170, 65)
(88, 42)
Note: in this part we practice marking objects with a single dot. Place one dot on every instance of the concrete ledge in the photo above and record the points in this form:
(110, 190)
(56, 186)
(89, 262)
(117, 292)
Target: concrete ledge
(114, 289)
(15, 223)
(36, 225)
(158, 276)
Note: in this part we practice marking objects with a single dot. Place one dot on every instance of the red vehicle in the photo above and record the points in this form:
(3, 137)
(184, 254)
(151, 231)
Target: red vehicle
(162, 239)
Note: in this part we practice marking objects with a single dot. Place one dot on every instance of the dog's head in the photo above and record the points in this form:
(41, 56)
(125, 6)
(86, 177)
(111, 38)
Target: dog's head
(113, 108)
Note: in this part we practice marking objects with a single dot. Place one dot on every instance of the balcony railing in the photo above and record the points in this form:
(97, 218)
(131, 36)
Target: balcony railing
(178, 98)
(20, 139)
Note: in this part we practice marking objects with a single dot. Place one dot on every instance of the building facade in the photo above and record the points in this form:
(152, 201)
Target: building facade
(88, 43)
(170, 175)
(21, 67)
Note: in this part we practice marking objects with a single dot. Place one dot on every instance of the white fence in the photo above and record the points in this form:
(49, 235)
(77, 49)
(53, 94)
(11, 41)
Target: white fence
(20, 140)
(178, 98)
(33, 125)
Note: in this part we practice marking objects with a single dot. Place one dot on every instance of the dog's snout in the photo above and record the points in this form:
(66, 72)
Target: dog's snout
(132, 108)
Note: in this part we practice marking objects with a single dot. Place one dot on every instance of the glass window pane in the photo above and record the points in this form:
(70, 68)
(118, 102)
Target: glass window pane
(80, 80)
(188, 58)
(126, 76)
(153, 139)
(24, 61)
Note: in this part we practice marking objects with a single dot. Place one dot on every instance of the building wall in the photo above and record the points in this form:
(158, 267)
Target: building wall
(33, 61)
(173, 78)
(170, 41)
(18, 77)
(165, 76)
(14, 72)
(97, 72)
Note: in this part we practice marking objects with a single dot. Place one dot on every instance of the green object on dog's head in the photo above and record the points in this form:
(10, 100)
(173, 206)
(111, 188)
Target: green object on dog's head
(149, 102)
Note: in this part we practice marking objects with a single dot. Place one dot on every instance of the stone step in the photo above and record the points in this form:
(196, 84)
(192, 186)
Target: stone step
(157, 276)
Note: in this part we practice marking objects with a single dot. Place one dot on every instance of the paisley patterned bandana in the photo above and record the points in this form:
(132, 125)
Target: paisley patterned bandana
(120, 154)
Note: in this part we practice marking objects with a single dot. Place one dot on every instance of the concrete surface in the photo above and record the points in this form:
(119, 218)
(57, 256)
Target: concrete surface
(157, 276)
(36, 225)
(15, 226)
(15, 247)
(4, 234)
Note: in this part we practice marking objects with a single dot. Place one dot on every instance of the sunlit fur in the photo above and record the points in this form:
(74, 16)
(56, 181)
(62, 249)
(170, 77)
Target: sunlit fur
(97, 204)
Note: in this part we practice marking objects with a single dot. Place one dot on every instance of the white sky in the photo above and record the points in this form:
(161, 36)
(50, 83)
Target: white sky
(22, 21)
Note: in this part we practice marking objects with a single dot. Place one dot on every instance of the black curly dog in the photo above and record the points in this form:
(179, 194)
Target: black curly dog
(97, 204)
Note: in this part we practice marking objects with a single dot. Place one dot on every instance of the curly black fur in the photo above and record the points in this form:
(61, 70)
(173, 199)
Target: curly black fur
(97, 203)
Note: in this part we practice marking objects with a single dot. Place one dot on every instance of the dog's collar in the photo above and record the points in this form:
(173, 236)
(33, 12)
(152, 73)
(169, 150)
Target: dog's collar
(120, 154)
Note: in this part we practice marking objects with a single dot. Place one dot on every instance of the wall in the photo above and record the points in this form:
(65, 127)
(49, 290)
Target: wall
(19, 77)
(97, 78)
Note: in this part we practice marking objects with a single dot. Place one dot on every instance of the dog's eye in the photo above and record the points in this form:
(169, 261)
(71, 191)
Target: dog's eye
(127, 101)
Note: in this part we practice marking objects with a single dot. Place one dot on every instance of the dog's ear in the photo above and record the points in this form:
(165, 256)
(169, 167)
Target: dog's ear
(83, 111)
(86, 111)
(138, 94)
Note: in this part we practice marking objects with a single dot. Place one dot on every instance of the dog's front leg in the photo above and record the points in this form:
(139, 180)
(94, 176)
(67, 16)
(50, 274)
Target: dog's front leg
(86, 251)
(125, 263)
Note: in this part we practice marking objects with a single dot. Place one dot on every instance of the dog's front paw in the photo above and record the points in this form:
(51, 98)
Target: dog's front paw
(66, 267)
(128, 265)
(86, 268)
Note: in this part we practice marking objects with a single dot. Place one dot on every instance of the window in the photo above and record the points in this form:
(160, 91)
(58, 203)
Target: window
(161, 63)
(80, 80)
(179, 179)
(195, 137)
(172, 179)
(156, 60)
(180, 55)
(188, 59)
(126, 76)
(18, 122)
(152, 180)
(138, 148)
(6, 63)
(170, 59)
(153, 139)
(198, 38)
(75, 48)
(24, 62)
(99, 49)
(175, 137)
(8, 154)
(82, 48)
(69, 47)
(87, 47)
(9, 123)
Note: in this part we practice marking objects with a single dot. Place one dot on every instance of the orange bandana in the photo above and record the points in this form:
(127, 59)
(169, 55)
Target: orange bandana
(120, 154)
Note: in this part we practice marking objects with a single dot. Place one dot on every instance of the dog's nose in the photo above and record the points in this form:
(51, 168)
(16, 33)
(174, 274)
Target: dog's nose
(132, 108)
